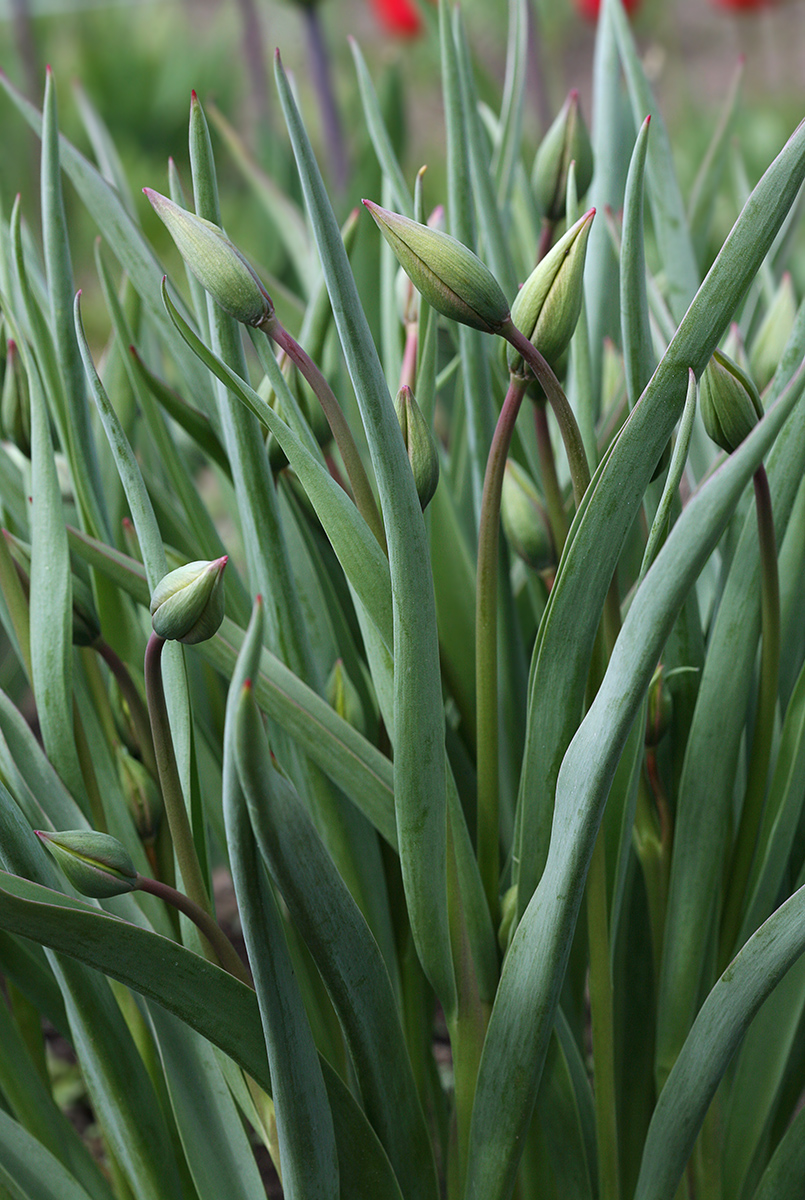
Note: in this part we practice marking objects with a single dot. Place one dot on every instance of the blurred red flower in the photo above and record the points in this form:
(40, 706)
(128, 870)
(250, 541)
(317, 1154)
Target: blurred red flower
(589, 8)
(743, 5)
(398, 16)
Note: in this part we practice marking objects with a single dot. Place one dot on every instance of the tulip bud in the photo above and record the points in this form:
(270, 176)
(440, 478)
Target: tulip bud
(773, 335)
(660, 710)
(143, 797)
(15, 406)
(218, 265)
(422, 453)
(730, 403)
(342, 695)
(96, 864)
(566, 141)
(187, 604)
(525, 521)
(549, 302)
(452, 279)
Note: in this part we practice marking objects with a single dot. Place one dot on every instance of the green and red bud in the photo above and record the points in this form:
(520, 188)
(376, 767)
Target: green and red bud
(548, 304)
(452, 279)
(187, 604)
(422, 453)
(730, 404)
(525, 521)
(566, 141)
(217, 264)
(96, 864)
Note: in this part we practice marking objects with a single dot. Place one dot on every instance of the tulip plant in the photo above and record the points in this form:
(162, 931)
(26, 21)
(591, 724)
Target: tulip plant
(490, 699)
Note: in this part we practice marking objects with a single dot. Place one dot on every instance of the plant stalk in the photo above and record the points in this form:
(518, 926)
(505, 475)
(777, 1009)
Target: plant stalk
(486, 646)
(359, 481)
(181, 833)
(223, 949)
(568, 427)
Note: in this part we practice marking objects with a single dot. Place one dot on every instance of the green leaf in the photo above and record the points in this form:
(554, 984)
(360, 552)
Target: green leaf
(703, 812)
(80, 447)
(418, 712)
(120, 233)
(665, 198)
(522, 1018)
(29, 1170)
(347, 956)
(711, 1043)
(304, 1121)
(562, 653)
(31, 1103)
(401, 193)
(216, 1146)
(638, 353)
(355, 545)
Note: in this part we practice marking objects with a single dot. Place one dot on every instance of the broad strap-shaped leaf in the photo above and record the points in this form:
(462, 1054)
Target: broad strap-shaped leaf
(418, 711)
(304, 1120)
(711, 1043)
(534, 969)
(564, 644)
(29, 1171)
(347, 956)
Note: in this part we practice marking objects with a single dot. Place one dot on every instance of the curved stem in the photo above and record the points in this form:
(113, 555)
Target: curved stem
(359, 481)
(224, 950)
(486, 645)
(764, 721)
(568, 427)
(169, 780)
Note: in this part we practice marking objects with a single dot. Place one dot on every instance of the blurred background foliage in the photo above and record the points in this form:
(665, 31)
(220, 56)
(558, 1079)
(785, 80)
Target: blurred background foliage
(138, 60)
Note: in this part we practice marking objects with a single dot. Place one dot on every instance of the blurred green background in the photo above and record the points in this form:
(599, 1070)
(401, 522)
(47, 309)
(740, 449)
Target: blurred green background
(138, 61)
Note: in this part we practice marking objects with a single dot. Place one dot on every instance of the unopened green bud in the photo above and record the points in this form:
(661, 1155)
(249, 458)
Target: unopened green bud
(15, 406)
(525, 521)
(143, 797)
(660, 710)
(566, 141)
(342, 695)
(217, 264)
(730, 403)
(773, 335)
(452, 279)
(96, 864)
(549, 302)
(187, 604)
(422, 453)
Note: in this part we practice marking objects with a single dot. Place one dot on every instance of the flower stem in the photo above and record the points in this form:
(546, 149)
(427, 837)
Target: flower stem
(170, 783)
(755, 797)
(568, 427)
(554, 499)
(486, 645)
(224, 950)
(359, 481)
